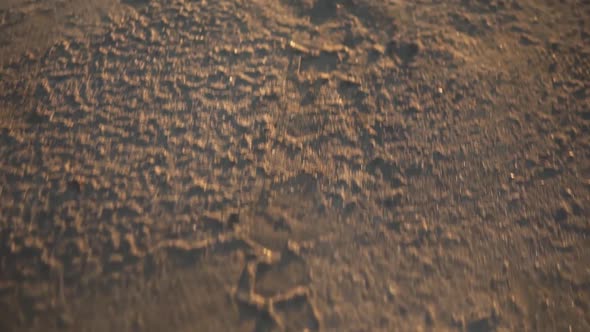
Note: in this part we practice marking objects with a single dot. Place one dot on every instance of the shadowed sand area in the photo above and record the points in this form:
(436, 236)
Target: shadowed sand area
(283, 165)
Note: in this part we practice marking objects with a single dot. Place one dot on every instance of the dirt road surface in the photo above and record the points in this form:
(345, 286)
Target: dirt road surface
(283, 165)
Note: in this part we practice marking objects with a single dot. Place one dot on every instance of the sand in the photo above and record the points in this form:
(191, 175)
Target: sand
(282, 165)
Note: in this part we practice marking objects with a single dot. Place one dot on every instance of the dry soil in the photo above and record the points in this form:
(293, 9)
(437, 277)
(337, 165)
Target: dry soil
(283, 165)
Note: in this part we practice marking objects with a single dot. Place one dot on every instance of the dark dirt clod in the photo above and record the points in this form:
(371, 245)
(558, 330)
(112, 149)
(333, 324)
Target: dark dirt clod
(233, 220)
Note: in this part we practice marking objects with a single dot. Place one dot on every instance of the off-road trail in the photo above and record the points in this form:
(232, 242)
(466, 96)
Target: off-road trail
(283, 165)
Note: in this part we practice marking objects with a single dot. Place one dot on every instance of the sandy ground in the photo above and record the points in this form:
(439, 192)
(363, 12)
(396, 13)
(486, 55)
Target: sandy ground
(282, 165)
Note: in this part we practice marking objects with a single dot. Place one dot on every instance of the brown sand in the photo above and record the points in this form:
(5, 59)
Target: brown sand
(268, 165)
